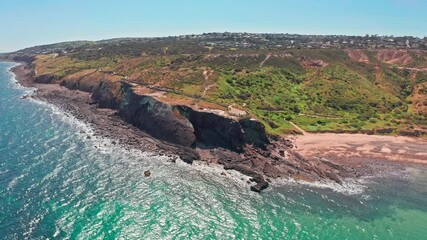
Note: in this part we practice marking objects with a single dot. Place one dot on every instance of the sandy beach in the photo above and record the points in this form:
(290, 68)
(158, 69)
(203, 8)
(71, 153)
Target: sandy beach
(341, 147)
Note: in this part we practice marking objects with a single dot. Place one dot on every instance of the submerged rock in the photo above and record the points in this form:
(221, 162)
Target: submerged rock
(259, 186)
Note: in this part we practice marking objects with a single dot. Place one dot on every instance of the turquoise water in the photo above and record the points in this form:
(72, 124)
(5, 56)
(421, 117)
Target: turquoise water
(55, 183)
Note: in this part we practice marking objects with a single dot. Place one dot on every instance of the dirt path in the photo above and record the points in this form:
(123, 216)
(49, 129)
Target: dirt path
(320, 116)
(207, 89)
(298, 128)
(265, 60)
(413, 69)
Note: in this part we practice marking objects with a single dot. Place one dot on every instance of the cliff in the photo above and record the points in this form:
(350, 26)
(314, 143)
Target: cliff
(240, 143)
(178, 124)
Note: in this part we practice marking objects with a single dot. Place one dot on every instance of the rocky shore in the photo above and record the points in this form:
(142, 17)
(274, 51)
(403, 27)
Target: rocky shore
(117, 112)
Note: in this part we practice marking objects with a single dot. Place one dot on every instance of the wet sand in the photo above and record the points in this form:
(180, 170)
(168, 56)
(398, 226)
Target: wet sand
(342, 147)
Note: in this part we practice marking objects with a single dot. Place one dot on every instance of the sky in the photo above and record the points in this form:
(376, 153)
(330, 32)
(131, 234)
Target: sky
(27, 23)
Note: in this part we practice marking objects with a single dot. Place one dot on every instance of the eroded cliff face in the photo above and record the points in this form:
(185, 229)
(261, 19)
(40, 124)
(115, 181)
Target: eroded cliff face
(108, 94)
(212, 130)
(45, 78)
(159, 119)
(80, 84)
(20, 58)
(178, 124)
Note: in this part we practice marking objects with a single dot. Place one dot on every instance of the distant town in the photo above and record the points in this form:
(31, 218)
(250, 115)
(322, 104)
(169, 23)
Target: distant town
(254, 40)
(228, 40)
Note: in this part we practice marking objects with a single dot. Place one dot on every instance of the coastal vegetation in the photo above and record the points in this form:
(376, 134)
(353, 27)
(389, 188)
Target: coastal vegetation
(379, 91)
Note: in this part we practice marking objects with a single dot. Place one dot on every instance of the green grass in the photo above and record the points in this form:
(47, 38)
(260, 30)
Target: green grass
(345, 95)
(328, 99)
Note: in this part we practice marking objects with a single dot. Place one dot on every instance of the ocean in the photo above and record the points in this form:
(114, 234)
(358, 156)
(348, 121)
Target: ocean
(56, 183)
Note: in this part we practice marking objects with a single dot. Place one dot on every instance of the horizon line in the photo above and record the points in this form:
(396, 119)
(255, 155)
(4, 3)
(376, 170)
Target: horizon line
(190, 34)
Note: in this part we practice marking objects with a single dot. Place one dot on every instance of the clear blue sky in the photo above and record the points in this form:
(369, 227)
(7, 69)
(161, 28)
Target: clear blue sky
(26, 23)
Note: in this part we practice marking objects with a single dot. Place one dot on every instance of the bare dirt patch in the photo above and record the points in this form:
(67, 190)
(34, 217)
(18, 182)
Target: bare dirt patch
(399, 57)
(358, 56)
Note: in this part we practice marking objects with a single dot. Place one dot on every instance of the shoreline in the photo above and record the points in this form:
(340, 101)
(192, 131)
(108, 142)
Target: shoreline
(81, 106)
(396, 149)
(107, 123)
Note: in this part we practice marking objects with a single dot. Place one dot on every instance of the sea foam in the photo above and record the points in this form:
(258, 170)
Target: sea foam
(103, 145)
(349, 186)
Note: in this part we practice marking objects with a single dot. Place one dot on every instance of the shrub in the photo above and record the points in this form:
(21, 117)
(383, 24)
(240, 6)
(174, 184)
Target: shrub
(373, 120)
(296, 109)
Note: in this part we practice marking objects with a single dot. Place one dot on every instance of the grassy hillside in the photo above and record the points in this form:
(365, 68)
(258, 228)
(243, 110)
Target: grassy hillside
(316, 89)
